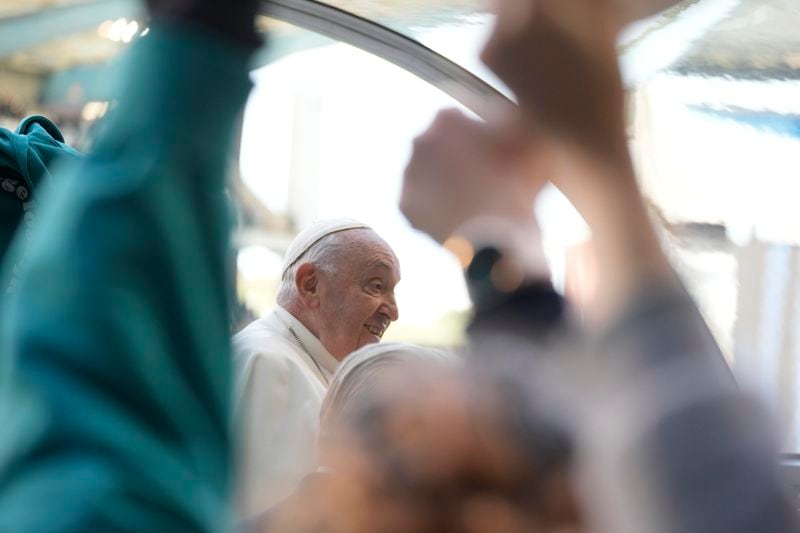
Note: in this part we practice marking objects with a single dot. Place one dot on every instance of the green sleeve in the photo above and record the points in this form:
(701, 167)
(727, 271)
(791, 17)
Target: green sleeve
(116, 368)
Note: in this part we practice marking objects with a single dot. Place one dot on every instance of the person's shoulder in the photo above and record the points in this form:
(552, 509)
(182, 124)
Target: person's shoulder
(261, 329)
(33, 148)
(45, 136)
(39, 126)
(261, 340)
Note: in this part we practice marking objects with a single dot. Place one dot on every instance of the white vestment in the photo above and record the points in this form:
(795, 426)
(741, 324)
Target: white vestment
(283, 372)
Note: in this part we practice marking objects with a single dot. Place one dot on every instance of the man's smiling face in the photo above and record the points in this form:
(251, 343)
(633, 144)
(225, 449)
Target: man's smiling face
(357, 301)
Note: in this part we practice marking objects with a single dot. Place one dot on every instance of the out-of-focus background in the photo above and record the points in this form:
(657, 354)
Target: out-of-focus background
(714, 124)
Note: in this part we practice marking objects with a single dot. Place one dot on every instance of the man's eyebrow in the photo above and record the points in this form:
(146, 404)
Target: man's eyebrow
(379, 268)
(380, 263)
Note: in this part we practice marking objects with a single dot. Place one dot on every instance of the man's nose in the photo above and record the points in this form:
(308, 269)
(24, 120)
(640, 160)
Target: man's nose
(389, 307)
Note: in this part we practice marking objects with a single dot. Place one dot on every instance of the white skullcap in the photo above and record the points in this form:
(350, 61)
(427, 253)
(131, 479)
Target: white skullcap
(312, 234)
(362, 368)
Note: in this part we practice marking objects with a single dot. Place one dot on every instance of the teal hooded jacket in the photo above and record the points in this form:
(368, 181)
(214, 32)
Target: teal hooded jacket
(115, 369)
(27, 159)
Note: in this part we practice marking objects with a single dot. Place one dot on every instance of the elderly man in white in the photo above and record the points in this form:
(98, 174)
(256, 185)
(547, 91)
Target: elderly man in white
(336, 295)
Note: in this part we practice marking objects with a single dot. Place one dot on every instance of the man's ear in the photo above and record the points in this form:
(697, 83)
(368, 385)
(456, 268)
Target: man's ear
(306, 282)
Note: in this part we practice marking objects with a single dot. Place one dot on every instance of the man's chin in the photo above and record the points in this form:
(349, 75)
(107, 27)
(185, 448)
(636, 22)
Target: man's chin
(369, 338)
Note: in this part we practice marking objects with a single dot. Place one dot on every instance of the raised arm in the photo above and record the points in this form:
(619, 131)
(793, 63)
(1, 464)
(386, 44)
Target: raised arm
(671, 445)
(116, 384)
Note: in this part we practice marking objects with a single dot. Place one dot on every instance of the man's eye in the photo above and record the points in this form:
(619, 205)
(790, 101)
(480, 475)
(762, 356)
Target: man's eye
(376, 286)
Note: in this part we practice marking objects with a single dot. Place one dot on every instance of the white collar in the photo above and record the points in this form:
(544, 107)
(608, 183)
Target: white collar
(309, 342)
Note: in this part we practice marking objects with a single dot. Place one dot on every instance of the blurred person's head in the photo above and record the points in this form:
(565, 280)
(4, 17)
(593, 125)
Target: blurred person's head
(364, 371)
(431, 447)
(465, 451)
(339, 280)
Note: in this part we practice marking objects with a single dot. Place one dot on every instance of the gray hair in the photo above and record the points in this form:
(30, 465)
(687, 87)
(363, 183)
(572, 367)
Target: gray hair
(363, 370)
(323, 254)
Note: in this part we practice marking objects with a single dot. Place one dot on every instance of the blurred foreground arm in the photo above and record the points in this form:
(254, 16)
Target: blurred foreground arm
(116, 385)
(670, 444)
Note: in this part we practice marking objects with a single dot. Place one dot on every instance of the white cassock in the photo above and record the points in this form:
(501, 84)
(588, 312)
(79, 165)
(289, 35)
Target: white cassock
(283, 374)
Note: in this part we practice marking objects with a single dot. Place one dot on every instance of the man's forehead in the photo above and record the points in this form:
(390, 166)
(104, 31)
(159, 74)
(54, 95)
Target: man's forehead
(366, 251)
(370, 242)
(378, 259)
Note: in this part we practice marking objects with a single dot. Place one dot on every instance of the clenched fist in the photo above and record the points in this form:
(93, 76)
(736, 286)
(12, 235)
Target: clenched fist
(559, 57)
(462, 169)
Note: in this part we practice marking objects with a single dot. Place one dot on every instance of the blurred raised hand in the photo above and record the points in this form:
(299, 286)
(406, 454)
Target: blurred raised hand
(559, 58)
(462, 169)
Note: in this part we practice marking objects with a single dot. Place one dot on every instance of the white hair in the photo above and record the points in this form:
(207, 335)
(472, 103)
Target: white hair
(323, 254)
(362, 370)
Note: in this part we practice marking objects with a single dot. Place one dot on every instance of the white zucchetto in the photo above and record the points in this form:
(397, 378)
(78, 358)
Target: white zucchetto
(312, 234)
